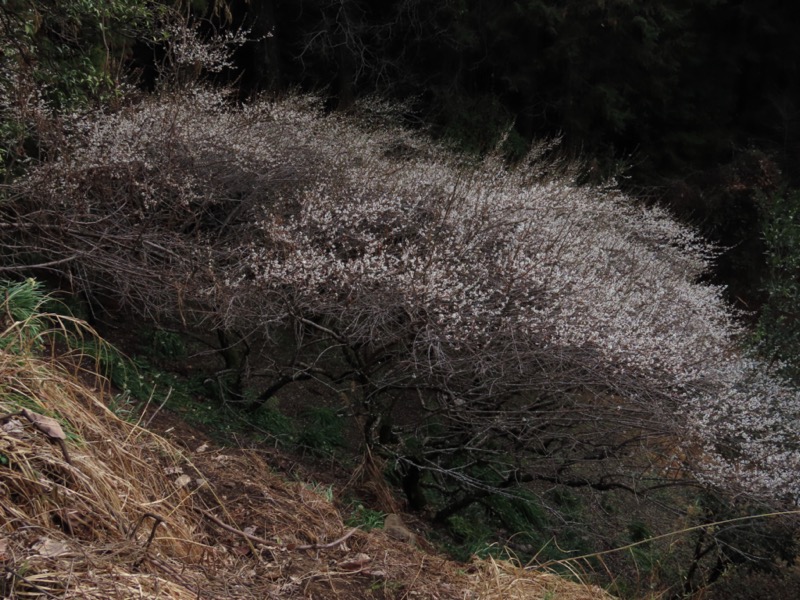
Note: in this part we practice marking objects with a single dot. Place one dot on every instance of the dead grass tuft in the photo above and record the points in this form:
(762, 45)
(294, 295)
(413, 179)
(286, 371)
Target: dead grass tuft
(507, 580)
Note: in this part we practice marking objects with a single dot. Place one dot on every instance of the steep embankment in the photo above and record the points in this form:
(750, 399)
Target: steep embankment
(117, 511)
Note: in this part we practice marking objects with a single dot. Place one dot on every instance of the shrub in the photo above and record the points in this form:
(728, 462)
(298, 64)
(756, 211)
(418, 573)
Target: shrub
(522, 325)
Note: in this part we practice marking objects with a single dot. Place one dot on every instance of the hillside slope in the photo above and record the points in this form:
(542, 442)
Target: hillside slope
(117, 511)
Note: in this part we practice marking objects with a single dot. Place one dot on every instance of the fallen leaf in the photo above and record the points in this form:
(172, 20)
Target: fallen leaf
(50, 548)
(183, 481)
(376, 573)
(202, 448)
(354, 563)
(46, 425)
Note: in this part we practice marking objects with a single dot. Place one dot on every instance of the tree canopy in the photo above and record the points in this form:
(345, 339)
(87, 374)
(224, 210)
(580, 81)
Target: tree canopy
(542, 327)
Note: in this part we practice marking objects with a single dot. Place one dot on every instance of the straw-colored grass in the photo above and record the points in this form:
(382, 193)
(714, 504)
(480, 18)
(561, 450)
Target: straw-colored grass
(62, 522)
(130, 515)
(506, 580)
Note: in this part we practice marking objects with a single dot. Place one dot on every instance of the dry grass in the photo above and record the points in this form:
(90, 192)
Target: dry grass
(133, 516)
(63, 522)
(506, 580)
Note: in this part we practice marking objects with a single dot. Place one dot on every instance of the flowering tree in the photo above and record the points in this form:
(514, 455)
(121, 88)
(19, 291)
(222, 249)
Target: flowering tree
(487, 325)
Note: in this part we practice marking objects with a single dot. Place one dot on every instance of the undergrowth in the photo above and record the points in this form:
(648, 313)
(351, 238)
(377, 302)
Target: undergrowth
(147, 380)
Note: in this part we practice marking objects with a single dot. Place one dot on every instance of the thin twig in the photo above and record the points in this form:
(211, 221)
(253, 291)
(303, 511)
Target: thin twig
(332, 544)
(663, 536)
(40, 265)
(260, 540)
(157, 521)
(30, 583)
(177, 576)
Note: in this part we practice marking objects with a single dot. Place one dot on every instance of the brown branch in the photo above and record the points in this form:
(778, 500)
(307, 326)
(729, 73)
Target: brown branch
(157, 520)
(332, 544)
(226, 527)
(266, 542)
(282, 382)
(52, 263)
(604, 486)
(63, 447)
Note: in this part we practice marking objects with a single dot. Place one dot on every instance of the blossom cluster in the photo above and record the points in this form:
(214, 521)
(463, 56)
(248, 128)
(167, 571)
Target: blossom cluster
(186, 47)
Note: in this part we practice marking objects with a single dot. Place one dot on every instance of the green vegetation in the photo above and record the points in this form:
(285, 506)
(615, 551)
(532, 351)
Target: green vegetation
(147, 379)
(276, 426)
(365, 518)
(76, 49)
(529, 526)
(55, 56)
(324, 491)
(23, 307)
(162, 344)
(778, 330)
(322, 430)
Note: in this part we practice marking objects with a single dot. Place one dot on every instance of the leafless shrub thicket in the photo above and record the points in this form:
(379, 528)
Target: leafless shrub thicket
(488, 325)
